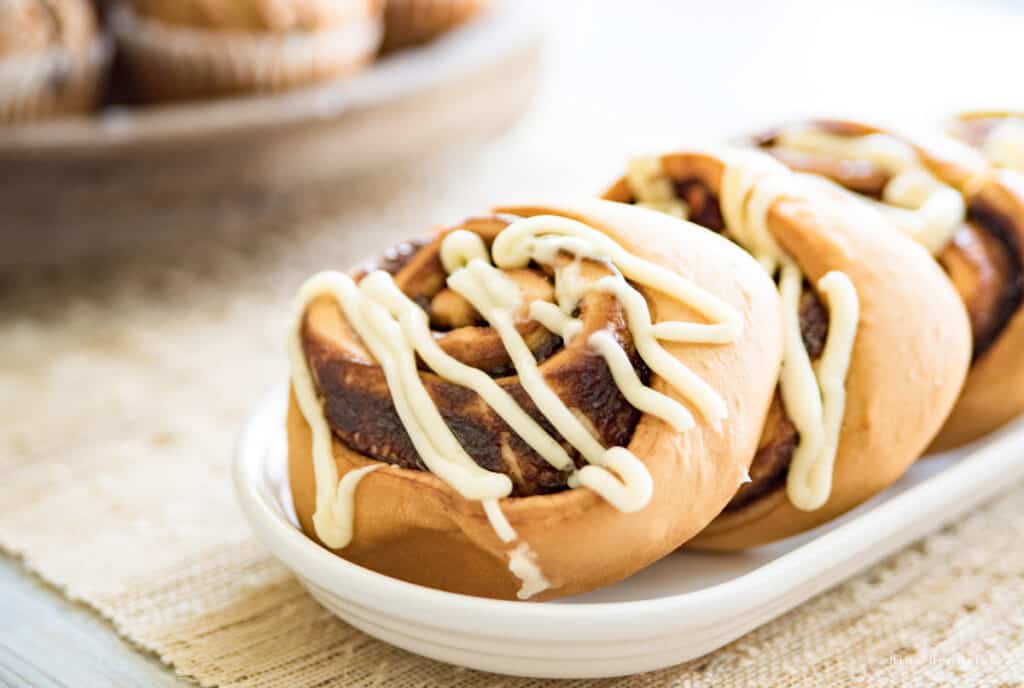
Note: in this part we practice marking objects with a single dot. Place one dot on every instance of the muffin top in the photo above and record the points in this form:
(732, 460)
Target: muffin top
(34, 26)
(257, 15)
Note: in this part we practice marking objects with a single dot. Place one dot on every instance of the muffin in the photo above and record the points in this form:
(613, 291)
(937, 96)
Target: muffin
(413, 22)
(51, 58)
(192, 49)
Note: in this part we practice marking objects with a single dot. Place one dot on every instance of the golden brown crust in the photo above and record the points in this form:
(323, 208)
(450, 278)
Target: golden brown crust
(274, 16)
(994, 392)
(909, 359)
(30, 27)
(361, 412)
(411, 525)
(993, 240)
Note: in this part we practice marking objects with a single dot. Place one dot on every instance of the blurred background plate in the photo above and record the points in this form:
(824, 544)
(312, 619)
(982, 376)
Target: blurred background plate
(88, 185)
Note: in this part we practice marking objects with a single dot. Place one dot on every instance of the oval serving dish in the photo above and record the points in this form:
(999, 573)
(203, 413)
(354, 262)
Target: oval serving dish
(682, 607)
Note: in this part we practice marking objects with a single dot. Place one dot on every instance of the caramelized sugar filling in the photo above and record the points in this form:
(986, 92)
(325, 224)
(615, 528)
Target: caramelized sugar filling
(779, 438)
(982, 260)
(360, 410)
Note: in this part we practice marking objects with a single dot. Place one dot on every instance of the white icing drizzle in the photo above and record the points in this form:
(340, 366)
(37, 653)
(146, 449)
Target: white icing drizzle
(659, 360)
(542, 239)
(522, 562)
(471, 283)
(344, 501)
(502, 528)
(394, 329)
(815, 399)
(571, 329)
(1005, 144)
(430, 435)
(519, 243)
(811, 476)
(554, 320)
(814, 395)
(416, 329)
(801, 392)
(652, 188)
(915, 201)
(635, 391)
(460, 247)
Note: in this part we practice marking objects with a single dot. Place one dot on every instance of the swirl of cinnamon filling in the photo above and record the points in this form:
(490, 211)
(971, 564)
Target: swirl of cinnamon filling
(976, 241)
(802, 434)
(413, 368)
(361, 410)
(855, 310)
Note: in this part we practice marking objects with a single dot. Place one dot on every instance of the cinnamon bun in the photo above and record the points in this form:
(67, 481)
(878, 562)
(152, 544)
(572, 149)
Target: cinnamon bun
(969, 214)
(877, 342)
(532, 404)
(997, 134)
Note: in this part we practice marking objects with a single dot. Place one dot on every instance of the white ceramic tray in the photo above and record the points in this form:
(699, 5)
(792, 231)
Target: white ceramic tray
(684, 606)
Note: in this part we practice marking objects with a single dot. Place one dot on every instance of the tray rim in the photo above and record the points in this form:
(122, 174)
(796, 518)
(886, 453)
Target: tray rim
(733, 608)
(505, 29)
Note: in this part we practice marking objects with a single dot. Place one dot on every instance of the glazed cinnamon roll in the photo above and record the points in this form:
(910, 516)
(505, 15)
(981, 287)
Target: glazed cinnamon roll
(968, 214)
(532, 404)
(877, 342)
(998, 134)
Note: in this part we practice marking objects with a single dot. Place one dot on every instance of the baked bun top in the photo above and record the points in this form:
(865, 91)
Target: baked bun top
(586, 537)
(912, 344)
(967, 212)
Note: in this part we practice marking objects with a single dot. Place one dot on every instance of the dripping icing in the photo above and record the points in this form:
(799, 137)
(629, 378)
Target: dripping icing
(522, 562)
(915, 201)
(394, 330)
(814, 396)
